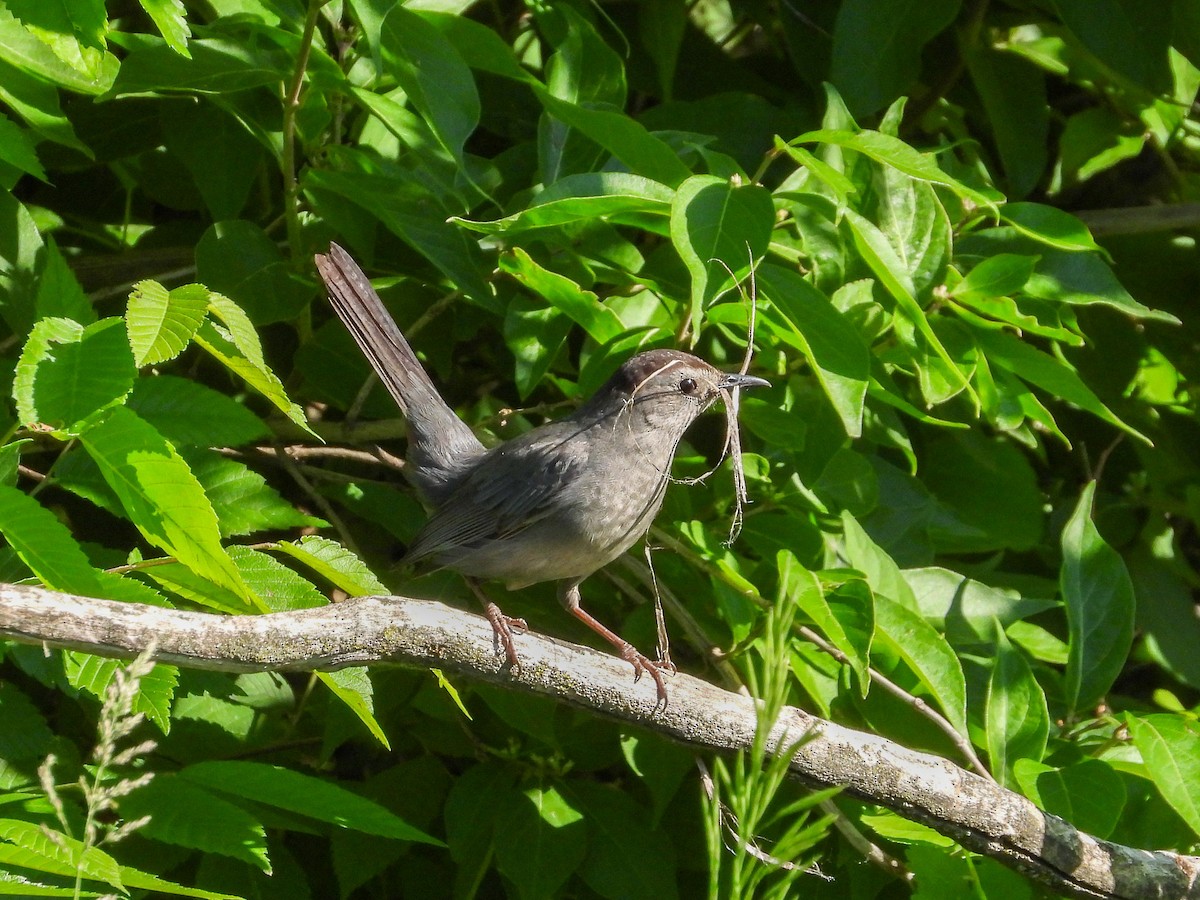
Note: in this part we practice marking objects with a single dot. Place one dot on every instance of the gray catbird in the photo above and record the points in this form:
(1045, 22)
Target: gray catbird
(555, 503)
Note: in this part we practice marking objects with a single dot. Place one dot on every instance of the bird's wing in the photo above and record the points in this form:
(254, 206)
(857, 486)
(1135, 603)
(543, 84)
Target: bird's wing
(512, 487)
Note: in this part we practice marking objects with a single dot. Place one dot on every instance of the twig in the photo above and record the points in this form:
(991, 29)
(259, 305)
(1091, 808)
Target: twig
(943, 724)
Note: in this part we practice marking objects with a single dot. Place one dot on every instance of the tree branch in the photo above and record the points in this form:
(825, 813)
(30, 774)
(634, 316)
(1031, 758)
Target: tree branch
(980, 815)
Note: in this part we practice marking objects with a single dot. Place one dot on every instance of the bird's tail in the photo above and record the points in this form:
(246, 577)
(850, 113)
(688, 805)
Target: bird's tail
(439, 442)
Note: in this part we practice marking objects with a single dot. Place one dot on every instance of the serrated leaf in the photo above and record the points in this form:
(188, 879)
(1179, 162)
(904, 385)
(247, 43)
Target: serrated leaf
(242, 499)
(156, 689)
(279, 588)
(1100, 607)
(353, 687)
(221, 344)
(63, 856)
(188, 414)
(337, 564)
(187, 815)
(170, 18)
(45, 544)
(162, 497)
(299, 793)
(161, 322)
(67, 372)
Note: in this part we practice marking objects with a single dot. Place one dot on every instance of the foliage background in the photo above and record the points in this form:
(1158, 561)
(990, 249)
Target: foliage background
(975, 473)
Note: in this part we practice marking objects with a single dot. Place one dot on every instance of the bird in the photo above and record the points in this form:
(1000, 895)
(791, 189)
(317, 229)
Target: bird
(556, 503)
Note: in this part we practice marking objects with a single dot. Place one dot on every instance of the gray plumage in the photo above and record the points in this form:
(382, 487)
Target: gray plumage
(554, 504)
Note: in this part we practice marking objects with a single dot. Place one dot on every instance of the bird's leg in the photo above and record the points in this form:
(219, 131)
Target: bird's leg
(502, 626)
(664, 640)
(568, 596)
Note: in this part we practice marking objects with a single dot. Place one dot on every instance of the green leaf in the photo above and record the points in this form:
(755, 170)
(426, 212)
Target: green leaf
(242, 499)
(336, 564)
(1170, 748)
(881, 571)
(877, 48)
(24, 49)
(1084, 279)
(186, 815)
(1049, 225)
(220, 342)
(59, 293)
(1100, 607)
(535, 334)
(1089, 794)
(480, 47)
(223, 158)
(927, 655)
(626, 858)
(543, 840)
(1013, 93)
(478, 799)
(1016, 716)
(353, 687)
(161, 322)
(883, 260)
(996, 276)
(968, 611)
(719, 230)
(250, 280)
(1124, 36)
(16, 149)
(279, 588)
(622, 136)
(893, 152)
(45, 544)
(413, 213)
(156, 689)
(581, 198)
(62, 856)
(849, 626)
(216, 66)
(831, 344)
(434, 76)
(170, 18)
(162, 497)
(299, 793)
(67, 373)
(1048, 373)
(188, 414)
(582, 307)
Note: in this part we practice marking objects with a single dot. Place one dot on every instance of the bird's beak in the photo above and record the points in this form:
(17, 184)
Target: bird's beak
(737, 380)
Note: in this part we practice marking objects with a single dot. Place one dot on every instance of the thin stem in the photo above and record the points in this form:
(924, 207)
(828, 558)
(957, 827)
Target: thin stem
(943, 724)
(291, 105)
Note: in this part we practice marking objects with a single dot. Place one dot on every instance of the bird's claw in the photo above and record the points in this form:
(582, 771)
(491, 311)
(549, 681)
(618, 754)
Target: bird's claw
(644, 665)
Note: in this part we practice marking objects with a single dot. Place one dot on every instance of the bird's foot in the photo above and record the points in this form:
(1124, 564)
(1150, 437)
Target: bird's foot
(503, 628)
(643, 664)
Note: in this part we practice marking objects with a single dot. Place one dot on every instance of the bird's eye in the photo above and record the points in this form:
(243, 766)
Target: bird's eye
(687, 386)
